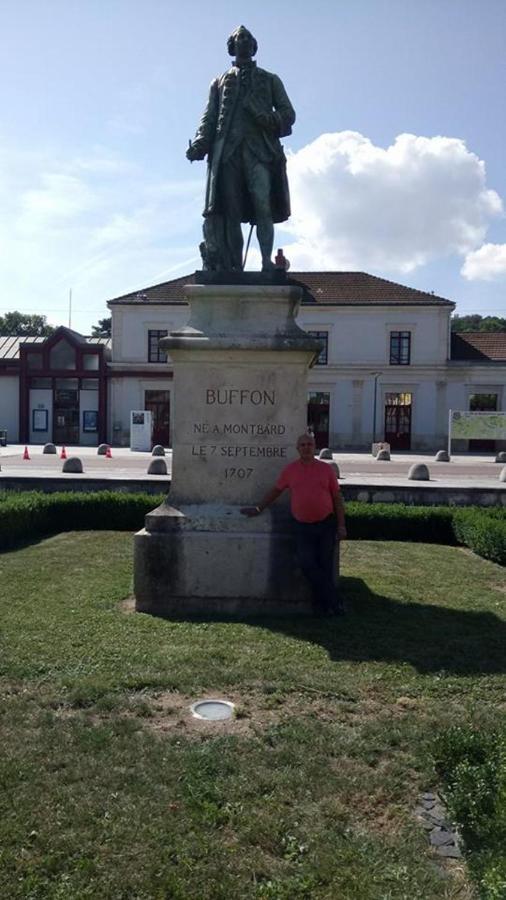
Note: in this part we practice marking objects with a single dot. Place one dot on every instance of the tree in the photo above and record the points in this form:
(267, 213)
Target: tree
(478, 323)
(103, 328)
(21, 325)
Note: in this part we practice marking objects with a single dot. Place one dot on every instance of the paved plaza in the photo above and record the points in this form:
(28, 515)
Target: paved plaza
(355, 468)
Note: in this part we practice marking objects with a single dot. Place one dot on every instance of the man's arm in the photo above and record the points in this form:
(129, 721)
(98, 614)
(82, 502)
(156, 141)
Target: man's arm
(339, 513)
(269, 498)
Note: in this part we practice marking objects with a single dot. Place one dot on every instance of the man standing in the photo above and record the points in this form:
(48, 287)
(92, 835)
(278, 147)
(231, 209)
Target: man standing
(318, 512)
(247, 112)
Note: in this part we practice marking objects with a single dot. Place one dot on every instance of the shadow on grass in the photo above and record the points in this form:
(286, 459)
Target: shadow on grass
(381, 629)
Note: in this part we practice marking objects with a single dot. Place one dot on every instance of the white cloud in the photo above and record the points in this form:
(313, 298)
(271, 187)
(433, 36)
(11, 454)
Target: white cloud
(59, 197)
(488, 263)
(93, 222)
(356, 205)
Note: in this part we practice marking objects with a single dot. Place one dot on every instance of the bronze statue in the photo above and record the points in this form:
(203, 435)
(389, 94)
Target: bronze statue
(248, 111)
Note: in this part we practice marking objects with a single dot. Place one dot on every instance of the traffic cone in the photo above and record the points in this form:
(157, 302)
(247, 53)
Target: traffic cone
(108, 453)
(26, 455)
(63, 454)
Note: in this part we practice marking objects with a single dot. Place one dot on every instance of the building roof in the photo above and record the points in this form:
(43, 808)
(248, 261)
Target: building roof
(334, 288)
(9, 345)
(479, 346)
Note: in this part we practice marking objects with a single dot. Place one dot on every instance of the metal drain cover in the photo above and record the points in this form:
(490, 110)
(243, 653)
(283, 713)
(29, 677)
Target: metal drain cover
(212, 710)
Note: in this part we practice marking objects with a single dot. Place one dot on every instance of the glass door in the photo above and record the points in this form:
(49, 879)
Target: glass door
(66, 411)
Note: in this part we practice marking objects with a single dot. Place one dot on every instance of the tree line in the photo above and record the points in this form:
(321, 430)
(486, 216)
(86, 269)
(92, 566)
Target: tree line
(22, 325)
(478, 323)
(17, 324)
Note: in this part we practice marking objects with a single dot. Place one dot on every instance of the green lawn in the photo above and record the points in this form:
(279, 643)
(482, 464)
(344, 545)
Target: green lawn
(110, 790)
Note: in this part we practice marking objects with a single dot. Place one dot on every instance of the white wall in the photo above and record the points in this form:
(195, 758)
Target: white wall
(9, 407)
(361, 334)
(131, 325)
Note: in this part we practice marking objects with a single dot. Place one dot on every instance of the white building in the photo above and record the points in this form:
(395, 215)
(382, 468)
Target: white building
(389, 364)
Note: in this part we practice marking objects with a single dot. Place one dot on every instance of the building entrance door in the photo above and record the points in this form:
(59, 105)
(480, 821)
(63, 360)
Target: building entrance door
(158, 402)
(398, 421)
(66, 411)
(318, 408)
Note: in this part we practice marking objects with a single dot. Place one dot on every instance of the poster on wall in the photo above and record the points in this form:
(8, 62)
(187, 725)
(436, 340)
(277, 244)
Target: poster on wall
(90, 420)
(140, 429)
(480, 425)
(39, 420)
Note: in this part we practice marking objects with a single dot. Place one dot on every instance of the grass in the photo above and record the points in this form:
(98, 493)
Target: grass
(110, 791)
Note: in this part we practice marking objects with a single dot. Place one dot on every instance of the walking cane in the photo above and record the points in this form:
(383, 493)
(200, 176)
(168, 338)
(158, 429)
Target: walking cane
(247, 247)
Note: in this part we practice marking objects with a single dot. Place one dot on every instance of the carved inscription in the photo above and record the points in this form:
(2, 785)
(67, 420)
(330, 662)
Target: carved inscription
(211, 437)
(240, 396)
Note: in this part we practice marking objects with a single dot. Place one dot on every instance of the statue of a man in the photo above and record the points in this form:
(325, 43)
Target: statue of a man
(248, 111)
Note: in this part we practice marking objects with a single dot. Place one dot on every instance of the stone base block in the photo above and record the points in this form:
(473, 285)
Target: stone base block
(208, 559)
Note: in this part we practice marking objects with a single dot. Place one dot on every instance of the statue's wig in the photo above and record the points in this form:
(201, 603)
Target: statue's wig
(231, 41)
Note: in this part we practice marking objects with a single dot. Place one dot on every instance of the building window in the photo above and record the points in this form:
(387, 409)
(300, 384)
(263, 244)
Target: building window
(482, 402)
(62, 356)
(400, 348)
(404, 399)
(155, 354)
(90, 362)
(89, 384)
(322, 336)
(34, 360)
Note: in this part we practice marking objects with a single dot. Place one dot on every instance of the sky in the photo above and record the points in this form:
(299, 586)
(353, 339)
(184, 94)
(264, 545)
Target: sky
(396, 162)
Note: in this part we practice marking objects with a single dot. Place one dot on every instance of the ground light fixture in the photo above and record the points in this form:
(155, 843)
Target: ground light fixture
(212, 710)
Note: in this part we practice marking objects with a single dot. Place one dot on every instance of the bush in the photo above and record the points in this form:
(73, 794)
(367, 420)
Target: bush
(484, 531)
(396, 522)
(24, 516)
(472, 765)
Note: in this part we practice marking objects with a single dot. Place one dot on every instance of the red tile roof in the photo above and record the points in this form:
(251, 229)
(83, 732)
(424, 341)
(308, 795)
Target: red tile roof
(334, 288)
(479, 345)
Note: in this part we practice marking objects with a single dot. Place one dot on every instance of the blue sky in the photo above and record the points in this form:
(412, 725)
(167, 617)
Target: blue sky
(396, 162)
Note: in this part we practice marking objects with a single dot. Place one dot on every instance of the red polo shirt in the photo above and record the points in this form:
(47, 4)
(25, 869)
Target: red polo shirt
(312, 488)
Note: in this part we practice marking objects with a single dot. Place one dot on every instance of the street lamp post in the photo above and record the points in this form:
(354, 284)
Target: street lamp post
(376, 375)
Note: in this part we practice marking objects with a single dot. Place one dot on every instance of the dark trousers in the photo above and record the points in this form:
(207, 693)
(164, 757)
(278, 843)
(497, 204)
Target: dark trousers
(315, 545)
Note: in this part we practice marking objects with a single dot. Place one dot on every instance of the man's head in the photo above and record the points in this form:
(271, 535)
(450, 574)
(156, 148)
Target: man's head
(241, 43)
(306, 447)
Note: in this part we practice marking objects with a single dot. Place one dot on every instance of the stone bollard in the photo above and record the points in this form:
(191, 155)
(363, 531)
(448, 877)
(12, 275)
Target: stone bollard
(49, 448)
(102, 449)
(157, 467)
(72, 464)
(419, 472)
(333, 465)
(442, 456)
(325, 453)
(502, 476)
(383, 455)
(158, 450)
(501, 457)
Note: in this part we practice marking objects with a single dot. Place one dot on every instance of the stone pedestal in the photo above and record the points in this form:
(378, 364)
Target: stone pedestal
(240, 369)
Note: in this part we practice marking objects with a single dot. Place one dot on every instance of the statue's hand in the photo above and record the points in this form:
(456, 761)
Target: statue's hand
(195, 152)
(265, 121)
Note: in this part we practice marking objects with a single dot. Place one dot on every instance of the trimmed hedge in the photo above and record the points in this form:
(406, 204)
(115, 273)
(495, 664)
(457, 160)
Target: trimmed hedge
(397, 522)
(24, 516)
(472, 765)
(483, 531)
